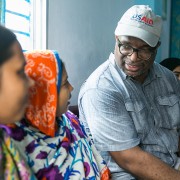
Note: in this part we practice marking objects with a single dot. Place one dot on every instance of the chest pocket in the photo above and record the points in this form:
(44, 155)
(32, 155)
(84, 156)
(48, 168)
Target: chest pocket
(169, 108)
(138, 113)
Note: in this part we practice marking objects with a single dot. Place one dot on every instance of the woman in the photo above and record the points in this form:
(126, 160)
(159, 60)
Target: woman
(55, 144)
(173, 64)
(14, 87)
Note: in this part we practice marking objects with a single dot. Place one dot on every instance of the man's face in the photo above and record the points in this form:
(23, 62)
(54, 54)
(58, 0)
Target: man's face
(137, 63)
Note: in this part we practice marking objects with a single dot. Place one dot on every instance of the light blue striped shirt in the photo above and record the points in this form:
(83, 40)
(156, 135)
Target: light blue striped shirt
(122, 113)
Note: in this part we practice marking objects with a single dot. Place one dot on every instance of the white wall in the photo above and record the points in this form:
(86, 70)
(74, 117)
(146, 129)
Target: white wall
(83, 33)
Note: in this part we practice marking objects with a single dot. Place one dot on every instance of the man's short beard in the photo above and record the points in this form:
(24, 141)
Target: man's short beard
(136, 75)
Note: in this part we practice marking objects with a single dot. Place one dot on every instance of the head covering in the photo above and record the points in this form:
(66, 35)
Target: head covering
(45, 68)
(170, 63)
(139, 21)
(70, 153)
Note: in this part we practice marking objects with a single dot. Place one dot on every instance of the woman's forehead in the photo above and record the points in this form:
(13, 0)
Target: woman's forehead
(64, 74)
(17, 59)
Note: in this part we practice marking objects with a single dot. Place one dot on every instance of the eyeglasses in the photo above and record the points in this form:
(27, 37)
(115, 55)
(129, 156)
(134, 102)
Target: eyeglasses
(143, 54)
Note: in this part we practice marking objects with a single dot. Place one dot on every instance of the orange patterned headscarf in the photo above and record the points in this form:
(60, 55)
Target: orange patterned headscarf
(45, 68)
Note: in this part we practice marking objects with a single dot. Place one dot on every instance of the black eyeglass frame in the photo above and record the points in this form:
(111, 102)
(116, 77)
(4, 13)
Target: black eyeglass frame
(153, 49)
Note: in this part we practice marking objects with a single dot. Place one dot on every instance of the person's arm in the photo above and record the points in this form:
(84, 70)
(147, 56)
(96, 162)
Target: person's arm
(113, 130)
(144, 165)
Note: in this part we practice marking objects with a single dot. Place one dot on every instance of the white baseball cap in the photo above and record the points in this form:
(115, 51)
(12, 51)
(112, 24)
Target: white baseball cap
(139, 21)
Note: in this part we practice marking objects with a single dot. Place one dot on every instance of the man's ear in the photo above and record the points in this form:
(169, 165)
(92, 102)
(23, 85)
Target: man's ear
(158, 44)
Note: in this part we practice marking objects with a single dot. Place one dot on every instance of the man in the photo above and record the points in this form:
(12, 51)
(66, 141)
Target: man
(173, 64)
(131, 104)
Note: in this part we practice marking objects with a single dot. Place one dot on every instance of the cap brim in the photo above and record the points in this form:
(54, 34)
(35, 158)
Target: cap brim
(127, 30)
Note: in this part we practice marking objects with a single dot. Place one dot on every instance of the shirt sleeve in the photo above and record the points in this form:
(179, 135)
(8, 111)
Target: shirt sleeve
(105, 114)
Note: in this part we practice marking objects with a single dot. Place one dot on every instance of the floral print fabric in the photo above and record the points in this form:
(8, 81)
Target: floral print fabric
(12, 166)
(68, 155)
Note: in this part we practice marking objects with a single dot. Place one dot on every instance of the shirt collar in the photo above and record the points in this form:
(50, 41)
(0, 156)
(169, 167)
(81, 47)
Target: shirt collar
(120, 71)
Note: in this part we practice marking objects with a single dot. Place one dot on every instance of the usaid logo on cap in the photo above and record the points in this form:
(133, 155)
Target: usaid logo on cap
(143, 19)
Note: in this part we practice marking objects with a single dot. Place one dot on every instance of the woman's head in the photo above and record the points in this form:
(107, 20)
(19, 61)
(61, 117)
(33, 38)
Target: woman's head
(172, 64)
(64, 94)
(13, 81)
(50, 95)
(7, 39)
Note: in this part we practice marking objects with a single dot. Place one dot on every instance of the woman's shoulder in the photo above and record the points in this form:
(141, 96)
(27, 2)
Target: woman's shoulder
(75, 124)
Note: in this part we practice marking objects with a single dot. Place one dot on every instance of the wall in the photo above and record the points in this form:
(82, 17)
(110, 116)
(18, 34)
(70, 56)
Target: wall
(175, 29)
(83, 33)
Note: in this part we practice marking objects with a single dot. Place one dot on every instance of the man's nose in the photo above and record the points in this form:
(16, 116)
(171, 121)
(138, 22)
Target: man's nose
(134, 56)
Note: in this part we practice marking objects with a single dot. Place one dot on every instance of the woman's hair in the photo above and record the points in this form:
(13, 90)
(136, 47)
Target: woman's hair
(170, 63)
(7, 38)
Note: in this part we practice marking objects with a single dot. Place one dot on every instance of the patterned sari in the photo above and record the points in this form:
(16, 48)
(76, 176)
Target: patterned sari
(12, 166)
(54, 147)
